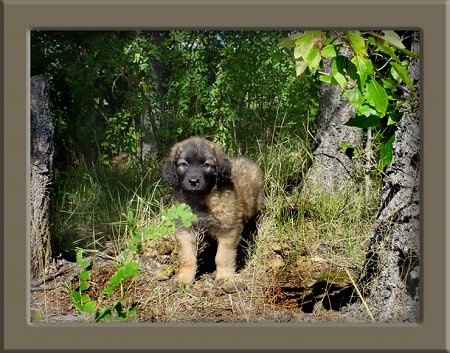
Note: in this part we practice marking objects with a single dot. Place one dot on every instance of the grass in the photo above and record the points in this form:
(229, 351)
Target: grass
(314, 234)
(90, 200)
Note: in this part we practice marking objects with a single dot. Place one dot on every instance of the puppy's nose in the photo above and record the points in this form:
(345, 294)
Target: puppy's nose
(194, 181)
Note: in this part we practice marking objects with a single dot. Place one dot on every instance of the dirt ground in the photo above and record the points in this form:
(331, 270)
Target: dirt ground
(306, 289)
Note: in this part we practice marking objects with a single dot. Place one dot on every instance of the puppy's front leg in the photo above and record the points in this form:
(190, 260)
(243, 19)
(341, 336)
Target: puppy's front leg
(187, 255)
(226, 254)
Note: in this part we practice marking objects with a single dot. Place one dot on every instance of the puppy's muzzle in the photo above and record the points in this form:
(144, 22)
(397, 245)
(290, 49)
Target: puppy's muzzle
(194, 182)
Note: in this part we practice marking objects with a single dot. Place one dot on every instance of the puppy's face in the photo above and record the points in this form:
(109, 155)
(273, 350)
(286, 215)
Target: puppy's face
(196, 170)
(196, 165)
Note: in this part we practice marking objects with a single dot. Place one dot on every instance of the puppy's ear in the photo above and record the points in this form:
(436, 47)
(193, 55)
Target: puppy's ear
(170, 172)
(223, 172)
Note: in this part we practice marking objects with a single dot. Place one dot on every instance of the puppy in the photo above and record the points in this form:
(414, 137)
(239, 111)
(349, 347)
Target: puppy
(224, 193)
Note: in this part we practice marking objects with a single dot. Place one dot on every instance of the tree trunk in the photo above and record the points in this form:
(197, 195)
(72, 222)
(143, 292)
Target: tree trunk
(391, 276)
(151, 120)
(42, 150)
(333, 167)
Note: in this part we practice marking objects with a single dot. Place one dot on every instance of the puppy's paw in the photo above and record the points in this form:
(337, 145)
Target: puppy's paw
(185, 277)
(224, 272)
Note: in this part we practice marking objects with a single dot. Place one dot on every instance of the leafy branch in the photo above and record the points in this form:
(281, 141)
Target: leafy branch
(374, 77)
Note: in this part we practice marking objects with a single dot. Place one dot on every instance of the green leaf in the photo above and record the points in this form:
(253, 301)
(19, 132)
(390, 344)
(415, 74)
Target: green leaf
(290, 41)
(132, 246)
(387, 84)
(402, 72)
(85, 275)
(325, 78)
(85, 298)
(364, 68)
(337, 71)
(80, 262)
(132, 311)
(105, 313)
(129, 269)
(354, 96)
(90, 306)
(357, 43)
(300, 67)
(393, 39)
(298, 53)
(345, 145)
(363, 122)
(76, 296)
(386, 49)
(308, 40)
(390, 41)
(37, 317)
(186, 222)
(340, 63)
(188, 219)
(313, 59)
(328, 51)
(130, 217)
(366, 110)
(376, 95)
(339, 79)
(394, 118)
(84, 286)
(386, 153)
(308, 48)
(172, 213)
(78, 306)
(395, 75)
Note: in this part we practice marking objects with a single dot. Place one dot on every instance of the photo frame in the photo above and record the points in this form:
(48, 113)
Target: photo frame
(19, 17)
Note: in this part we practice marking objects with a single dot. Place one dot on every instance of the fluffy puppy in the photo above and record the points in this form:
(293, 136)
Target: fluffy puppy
(224, 193)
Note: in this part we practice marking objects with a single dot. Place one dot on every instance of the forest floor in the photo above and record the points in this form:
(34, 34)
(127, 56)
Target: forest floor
(275, 289)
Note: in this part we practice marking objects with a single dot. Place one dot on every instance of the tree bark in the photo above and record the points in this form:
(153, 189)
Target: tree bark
(151, 120)
(391, 276)
(41, 169)
(333, 167)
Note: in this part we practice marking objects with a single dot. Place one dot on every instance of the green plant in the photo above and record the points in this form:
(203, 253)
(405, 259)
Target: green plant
(93, 308)
(157, 230)
(127, 267)
(81, 299)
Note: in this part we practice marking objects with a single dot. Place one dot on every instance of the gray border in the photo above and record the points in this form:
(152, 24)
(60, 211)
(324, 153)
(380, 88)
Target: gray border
(18, 19)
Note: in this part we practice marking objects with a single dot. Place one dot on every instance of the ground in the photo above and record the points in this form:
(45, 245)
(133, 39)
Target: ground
(277, 289)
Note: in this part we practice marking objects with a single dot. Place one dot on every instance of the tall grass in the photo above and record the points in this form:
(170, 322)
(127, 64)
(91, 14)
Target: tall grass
(311, 222)
(90, 200)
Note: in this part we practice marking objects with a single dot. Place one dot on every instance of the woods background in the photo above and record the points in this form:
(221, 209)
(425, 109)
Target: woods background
(319, 111)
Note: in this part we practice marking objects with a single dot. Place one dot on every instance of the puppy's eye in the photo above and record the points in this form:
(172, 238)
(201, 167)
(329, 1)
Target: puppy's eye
(183, 164)
(207, 165)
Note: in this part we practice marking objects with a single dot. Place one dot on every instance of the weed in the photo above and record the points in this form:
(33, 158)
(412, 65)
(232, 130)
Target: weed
(81, 299)
(128, 268)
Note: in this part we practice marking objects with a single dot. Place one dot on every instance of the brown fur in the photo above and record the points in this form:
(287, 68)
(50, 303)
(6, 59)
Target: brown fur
(223, 192)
